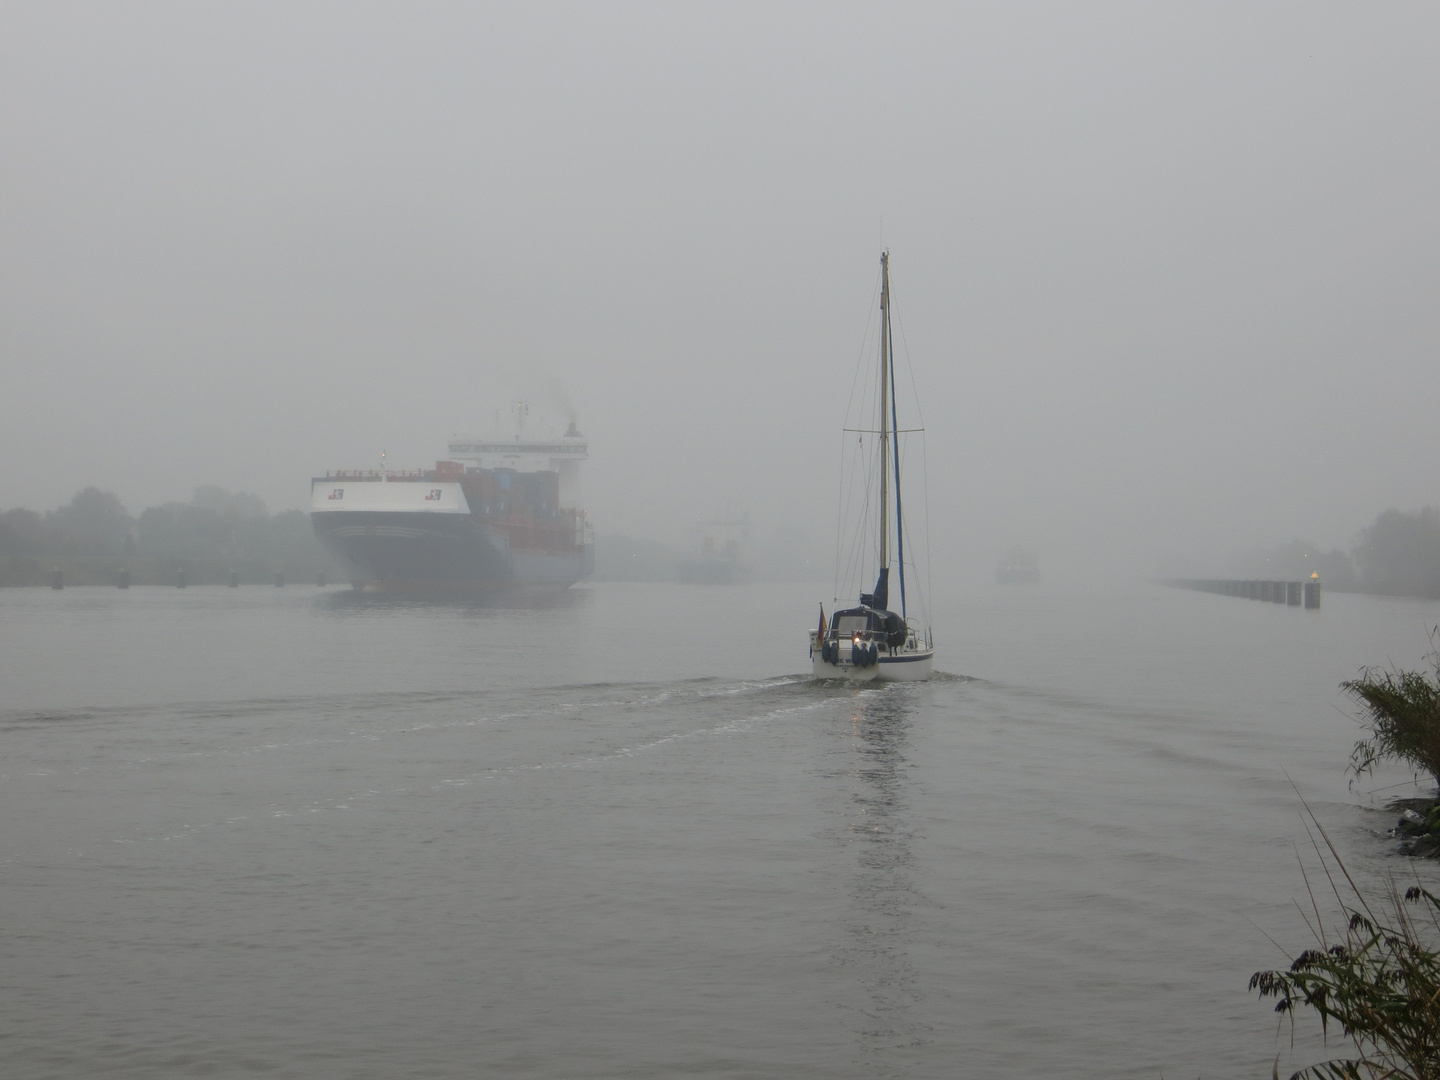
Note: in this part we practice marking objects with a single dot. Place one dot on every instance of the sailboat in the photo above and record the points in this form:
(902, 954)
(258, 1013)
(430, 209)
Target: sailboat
(870, 641)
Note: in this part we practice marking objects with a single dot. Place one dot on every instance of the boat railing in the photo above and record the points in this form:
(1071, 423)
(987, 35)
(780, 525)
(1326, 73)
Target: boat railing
(915, 638)
(377, 475)
(919, 633)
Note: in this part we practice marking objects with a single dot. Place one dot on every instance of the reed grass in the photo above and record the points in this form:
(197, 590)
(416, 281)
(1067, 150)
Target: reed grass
(1402, 715)
(1377, 979)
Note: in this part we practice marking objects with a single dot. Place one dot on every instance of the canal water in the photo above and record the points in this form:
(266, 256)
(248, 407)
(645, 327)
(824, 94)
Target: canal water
(616, 832)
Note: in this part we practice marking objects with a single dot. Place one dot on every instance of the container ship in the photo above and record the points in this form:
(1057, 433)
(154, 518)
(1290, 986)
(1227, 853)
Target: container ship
(495, 515)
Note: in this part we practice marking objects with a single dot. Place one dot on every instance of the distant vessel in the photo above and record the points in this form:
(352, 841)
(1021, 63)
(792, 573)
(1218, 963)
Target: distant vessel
(869, 641)
(1018, 566)
(717, 549)
(495, 515)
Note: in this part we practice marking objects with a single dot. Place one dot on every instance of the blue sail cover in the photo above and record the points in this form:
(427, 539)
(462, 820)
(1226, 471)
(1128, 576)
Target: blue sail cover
(880, 598)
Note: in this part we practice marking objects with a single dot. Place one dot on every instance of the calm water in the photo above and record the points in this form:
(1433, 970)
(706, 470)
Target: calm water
(616, 834)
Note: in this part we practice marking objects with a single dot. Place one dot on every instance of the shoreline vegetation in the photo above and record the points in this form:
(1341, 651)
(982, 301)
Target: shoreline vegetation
(220, 533)
(1401, 722)
(217, 535)
(1376, 974)
(1396, 555)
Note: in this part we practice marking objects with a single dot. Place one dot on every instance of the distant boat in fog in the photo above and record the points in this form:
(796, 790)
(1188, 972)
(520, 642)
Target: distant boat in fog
(717, 551)
(1018, 566)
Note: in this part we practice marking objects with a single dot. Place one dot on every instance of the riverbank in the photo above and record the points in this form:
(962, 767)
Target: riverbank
(28, 571)
(1418, 827)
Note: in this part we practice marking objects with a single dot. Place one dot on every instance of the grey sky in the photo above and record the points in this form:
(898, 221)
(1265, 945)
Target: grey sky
(1166, 273)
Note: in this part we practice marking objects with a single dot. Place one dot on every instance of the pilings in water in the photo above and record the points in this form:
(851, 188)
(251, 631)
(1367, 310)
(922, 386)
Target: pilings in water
(1290, 593)
(124, 577)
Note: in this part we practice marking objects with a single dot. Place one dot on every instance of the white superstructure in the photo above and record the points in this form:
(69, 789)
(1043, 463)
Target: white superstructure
(561, 455)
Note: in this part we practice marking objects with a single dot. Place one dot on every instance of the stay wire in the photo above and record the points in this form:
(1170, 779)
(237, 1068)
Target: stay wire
(846, 490)
(924, 452)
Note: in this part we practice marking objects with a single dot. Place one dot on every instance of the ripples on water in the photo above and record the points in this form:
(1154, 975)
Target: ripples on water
(312, 834)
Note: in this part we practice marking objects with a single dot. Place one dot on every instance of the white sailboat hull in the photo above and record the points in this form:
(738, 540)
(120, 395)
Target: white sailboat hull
(901, 665)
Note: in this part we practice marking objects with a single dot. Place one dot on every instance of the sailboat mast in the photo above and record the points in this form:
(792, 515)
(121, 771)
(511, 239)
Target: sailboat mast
(884, 409)
(899, 509)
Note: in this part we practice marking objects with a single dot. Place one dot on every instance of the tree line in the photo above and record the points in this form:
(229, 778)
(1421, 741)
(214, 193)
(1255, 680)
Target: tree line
(218, 533)
(1396, 555)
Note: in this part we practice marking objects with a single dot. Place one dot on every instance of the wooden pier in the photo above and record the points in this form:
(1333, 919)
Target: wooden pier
(1291, 593)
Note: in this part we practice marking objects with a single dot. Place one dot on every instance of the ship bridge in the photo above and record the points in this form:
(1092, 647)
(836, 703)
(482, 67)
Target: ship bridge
(561, 455)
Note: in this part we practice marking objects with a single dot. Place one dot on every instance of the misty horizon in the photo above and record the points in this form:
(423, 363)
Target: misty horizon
(1163, 275)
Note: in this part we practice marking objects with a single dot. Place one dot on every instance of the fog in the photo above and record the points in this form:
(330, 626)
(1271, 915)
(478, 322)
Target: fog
(1165, 274)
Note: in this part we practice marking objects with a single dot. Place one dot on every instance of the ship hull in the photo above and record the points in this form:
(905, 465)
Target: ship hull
(398, 552)
(402, 544)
